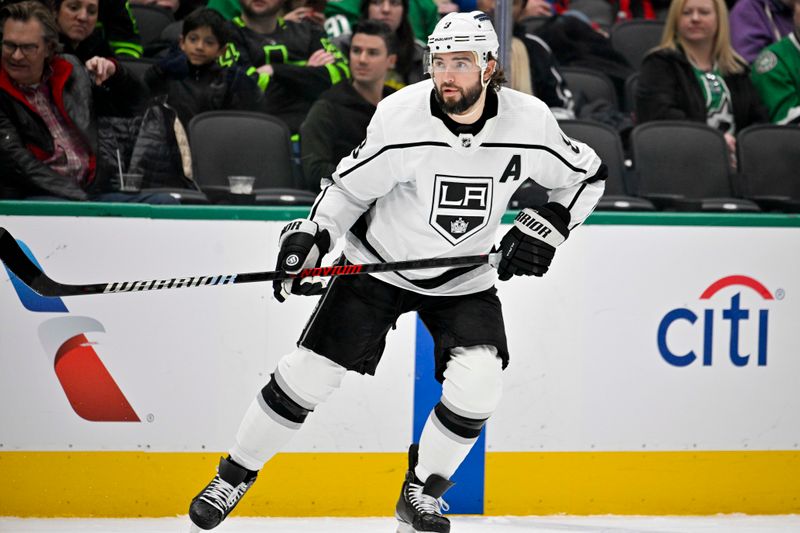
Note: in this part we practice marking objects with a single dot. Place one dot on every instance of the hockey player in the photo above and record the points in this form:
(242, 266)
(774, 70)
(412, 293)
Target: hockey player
(432, 179)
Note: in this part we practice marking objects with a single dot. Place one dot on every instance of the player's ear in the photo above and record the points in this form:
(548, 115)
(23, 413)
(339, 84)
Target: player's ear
(392, 58)
(490, 66)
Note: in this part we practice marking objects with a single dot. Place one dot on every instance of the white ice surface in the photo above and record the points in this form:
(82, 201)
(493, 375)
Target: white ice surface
(461, 524)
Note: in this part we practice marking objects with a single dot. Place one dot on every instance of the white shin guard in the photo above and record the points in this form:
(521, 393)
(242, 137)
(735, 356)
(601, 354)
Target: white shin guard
(305, 378)
(472, 389)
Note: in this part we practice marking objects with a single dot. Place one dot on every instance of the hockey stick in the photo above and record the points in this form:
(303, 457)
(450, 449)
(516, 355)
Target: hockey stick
(31, 275)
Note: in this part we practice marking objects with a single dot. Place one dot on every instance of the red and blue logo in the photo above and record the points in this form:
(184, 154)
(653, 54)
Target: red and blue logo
(742, 322)
(88, 385)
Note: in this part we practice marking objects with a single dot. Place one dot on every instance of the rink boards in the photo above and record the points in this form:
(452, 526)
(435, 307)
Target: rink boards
(654, 371)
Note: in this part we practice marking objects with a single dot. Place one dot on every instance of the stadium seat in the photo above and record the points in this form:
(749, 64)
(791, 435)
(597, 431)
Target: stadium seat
(172, 32)
(634, 38)
(594, 85)
(137, 66)
(769, 160)
(242, 143)
(600, 12)
(619, 193)
(684, 166)
(151, 21)
(631, 83)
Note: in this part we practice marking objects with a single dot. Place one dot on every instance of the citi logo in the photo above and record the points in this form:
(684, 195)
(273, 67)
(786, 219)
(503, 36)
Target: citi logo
(733, 323)
(89, 387)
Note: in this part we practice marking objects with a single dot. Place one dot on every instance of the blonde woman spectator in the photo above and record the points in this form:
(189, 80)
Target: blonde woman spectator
(694, 74)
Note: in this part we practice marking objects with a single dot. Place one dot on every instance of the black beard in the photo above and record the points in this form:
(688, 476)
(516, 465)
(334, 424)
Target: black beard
(466, 101)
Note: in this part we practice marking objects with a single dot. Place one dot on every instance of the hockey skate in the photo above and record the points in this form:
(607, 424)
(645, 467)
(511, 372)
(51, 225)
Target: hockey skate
(217, 500)
(420, 506)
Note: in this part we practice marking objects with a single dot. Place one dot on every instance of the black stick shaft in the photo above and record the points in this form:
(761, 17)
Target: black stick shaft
(26, 270)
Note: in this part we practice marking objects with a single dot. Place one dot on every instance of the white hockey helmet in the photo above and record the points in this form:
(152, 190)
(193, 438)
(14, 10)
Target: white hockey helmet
(465, 32)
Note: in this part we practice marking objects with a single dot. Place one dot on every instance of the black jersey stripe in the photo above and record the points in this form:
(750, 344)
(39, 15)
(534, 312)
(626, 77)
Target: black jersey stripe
(391, 147)
(316, 203)
(535, 147)
(359, 231)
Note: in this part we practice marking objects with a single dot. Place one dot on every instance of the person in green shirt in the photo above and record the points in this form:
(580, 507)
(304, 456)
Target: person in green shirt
(776, 76)
(342, 15)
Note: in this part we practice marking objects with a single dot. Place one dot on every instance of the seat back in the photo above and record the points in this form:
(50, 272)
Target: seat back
(631, 84)
(172, 32)
(682, 158)
(137, 66)
(769, 160)
(151, 21)
(605, 141)
(594, 85)
(233, 143)
(599, 11)
(634, 38)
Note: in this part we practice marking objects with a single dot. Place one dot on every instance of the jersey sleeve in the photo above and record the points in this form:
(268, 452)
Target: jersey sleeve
(774, 82)
(369, 172)
(120, 28)
(312, 81)
(571, 170)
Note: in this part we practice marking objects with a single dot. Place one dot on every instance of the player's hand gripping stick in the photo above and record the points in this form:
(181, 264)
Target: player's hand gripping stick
(529, 246)
(302, 245)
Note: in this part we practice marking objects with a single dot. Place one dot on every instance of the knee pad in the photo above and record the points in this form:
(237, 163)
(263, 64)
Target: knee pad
(308, 378)
(473, 382)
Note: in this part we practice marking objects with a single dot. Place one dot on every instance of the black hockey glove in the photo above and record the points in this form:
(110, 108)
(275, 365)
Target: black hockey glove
(530, 245)
(302, 246)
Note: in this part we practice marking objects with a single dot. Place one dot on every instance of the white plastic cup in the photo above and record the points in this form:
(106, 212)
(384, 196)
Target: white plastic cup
(130, 182)
(241, 184)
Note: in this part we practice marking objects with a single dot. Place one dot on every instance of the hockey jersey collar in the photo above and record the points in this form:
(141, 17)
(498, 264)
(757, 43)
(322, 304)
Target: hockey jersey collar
(489, 111)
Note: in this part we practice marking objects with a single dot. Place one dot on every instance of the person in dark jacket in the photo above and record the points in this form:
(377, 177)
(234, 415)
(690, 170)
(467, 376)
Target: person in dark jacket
(695, 74)
(47, 119)
(338, 121)
(293, 62)
(191, 77)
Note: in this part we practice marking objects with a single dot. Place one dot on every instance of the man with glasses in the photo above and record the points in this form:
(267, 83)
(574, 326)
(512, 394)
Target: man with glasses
(433, 178)
(47, 123)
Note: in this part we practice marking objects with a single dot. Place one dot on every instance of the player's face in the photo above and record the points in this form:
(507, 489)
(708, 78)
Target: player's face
(261, 8)
(456, 78)
(77, 18)
(369, 59)
(200, 46)
(698, 21)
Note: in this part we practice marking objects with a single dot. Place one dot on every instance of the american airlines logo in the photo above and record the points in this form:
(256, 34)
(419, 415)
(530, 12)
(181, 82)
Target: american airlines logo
(89, 387)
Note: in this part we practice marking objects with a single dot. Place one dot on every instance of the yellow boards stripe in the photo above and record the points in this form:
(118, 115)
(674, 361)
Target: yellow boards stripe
(133, 484)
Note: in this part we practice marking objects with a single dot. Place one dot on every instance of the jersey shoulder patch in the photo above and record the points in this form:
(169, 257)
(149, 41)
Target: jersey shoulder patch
(765, 62)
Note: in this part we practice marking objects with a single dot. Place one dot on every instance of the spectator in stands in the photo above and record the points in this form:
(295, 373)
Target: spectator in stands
(119, 28)
(338, 121)
(533, 67)
(776, 75)
(696, 75)
(408, 68)
(293, 62)
(46, 114)
(342, 15)
(114, 24)
(168, 5)
(78, 36)
(755, 24)
(191, 78)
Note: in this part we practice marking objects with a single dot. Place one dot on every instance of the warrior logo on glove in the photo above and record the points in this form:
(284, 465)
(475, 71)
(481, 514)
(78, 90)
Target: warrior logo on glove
(528, 248)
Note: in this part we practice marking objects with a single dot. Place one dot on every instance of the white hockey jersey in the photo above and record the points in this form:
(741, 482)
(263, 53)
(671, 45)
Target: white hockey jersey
(415, 189)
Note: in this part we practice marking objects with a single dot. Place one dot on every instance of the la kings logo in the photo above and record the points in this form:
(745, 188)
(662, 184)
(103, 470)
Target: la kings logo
(461, 206)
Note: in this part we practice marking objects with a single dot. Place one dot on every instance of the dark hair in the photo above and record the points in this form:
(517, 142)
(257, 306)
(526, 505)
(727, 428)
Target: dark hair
(32, 9)
(205, 17)
(379, 29)
(404, 38)
(498, 78)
